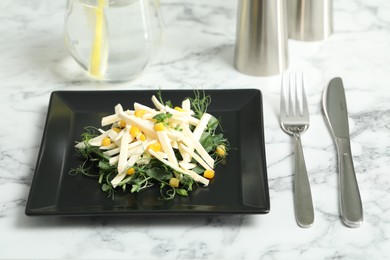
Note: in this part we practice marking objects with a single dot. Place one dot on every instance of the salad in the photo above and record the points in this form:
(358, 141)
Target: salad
(173, 147)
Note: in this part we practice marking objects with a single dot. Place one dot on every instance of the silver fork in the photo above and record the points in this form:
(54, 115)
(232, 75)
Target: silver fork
(294, 120)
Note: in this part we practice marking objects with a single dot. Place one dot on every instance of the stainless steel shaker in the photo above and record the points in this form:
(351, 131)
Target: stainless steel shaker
(261, 40)
(310, 20)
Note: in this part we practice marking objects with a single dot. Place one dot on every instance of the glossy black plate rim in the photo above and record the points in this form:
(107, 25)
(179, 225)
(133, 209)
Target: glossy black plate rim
(53, 209)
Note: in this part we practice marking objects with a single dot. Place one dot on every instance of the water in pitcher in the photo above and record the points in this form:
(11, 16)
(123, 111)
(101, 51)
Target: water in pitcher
(113, 40)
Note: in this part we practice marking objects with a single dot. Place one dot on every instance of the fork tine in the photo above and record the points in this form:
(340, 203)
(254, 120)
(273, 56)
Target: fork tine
(283, 111)
(298, 95)
(291, 103)
(305, 106)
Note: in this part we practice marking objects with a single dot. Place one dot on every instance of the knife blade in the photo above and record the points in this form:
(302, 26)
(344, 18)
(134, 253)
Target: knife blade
(335, 109)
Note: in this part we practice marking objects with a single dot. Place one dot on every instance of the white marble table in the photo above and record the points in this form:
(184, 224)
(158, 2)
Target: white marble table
(34, 62)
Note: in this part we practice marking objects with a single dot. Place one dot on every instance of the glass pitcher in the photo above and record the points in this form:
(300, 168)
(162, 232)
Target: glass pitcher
(113, 40)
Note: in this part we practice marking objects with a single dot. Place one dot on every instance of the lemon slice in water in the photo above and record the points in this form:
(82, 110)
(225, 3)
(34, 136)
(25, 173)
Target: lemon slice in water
(99, 46)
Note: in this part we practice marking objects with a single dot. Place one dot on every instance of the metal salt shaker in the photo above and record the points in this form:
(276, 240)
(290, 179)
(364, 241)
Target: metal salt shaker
(261, 40)
(310, 20)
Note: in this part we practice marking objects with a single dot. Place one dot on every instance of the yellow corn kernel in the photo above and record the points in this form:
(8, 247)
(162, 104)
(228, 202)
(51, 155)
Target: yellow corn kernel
(159, 127)
(142, 137)
(209, 174)
(139, 113)
(220, 151)
(106, 141)
(122, 124)
(130, 171)
(174, 182)
(179, 109)
(155, 147)
(116, 129)
(134, 131)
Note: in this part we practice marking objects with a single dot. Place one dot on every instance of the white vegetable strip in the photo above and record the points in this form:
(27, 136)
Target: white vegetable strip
(150, 116)
(163, 155)
(192, 174)
(203, 153)
(180, 119)
(152, 142)
(143, 160)
(123, 151)
(196, 157)
(108, 147)
(118, 109)
(118, 178)
(138, 106)
(166, 146)
(186, 104)
(196, 177)
(116, 150)
(199, 129)
(157, 103)
(108, 120)
(115, 159)
(193, 121)
(114, 136)
(97, 141)
(186, 156)
(135, 155)
(186, 119)
(174, 144)
(145, 126)
(80, 145)
(198, 147)
(187, 166)
(112, 152)
(174, 135)
(129, 112)
(134, 144)
(178, 113)
(120, 134)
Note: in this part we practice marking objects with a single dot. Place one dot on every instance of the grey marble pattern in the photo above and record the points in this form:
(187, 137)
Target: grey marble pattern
(198, 50)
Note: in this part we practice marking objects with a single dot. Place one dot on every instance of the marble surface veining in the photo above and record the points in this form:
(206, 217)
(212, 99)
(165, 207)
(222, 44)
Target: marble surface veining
(198, 50)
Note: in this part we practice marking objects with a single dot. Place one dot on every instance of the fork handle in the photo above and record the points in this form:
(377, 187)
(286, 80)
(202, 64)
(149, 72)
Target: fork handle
(303, 203)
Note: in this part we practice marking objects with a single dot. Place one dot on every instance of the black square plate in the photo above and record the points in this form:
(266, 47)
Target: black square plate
(240, 185)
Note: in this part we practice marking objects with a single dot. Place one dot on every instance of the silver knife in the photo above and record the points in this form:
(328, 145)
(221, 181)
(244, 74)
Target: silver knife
(335, 108)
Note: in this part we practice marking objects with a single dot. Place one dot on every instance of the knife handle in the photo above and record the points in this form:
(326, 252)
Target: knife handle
(303, 203)
(350, 201)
